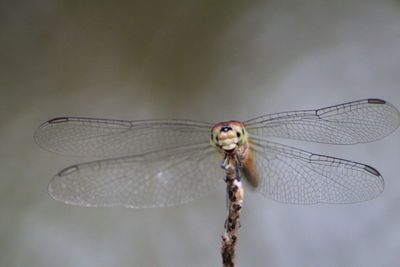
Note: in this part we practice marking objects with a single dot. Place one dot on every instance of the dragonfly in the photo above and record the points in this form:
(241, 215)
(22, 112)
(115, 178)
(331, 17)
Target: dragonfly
(165, 162)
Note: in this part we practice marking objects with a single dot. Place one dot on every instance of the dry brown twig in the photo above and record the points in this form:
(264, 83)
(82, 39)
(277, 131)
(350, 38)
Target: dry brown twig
(235, 199)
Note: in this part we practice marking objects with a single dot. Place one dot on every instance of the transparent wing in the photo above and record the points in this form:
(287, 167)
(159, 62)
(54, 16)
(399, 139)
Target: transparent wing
(106, 138)
(156, 179)
(350, 123)
(292, 175)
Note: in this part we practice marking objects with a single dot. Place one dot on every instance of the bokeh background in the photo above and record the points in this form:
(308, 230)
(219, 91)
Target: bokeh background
(199, 60)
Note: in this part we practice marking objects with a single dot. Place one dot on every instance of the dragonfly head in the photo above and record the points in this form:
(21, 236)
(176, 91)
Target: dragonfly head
(228, 135)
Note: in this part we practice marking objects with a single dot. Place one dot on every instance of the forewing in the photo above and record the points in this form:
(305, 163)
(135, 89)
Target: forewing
(292, 175)
(107, 138)
(350, 123)
(156, 179)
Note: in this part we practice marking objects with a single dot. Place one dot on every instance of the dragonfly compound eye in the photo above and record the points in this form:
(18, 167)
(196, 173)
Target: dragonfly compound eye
(214, 139)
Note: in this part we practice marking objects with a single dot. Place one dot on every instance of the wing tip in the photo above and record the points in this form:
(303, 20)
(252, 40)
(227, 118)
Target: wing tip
(37, 136)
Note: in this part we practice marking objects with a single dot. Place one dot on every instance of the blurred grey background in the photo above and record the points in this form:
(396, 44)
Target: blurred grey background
(199, 60)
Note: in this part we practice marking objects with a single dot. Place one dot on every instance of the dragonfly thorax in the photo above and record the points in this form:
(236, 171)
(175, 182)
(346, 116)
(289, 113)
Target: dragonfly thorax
(228, 135)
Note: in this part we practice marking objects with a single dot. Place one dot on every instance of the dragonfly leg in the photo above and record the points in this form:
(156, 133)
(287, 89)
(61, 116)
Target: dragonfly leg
(239, 162)
(225, 162)
(237, 176)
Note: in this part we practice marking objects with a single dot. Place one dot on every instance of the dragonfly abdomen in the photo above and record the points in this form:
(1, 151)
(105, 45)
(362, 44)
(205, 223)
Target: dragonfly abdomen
(248, 169)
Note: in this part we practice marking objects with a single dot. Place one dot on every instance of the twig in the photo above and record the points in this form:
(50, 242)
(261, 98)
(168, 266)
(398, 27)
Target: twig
(235, 199)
